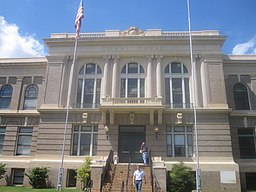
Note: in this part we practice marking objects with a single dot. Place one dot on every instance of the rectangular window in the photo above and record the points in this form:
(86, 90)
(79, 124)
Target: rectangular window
(167, 91)
(2, 134)
(98, 85)
(123, 88)
(142, 88)
(79, 93)
(88, 92)
(71, 178)
(132, 87)
(85, 140)
(247, 143)
(177, 92)
(24, 141)
(250, 181)
(187, 93)
(18, 176)
(179, 141)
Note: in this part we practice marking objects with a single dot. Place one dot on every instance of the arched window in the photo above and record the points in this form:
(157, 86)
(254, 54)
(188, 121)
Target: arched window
(5, 97)
(88, 88)
(30, 97)
(177, 93)
(241, 99)
(132, 81)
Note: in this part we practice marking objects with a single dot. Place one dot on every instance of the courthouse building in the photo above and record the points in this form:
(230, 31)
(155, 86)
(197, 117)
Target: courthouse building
(131, 86)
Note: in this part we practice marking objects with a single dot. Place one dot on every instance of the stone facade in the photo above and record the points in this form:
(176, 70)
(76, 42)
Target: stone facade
(130, 86)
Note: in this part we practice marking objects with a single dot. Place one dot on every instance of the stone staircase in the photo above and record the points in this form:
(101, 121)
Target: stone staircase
(117, 175)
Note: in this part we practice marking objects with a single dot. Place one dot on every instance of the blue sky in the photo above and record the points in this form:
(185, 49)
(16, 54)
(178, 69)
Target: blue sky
(25, 23)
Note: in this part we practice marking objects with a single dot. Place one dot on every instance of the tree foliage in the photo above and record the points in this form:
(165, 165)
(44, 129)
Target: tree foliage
(37, 177)
(83, 173)
(2, 170)
(181, 179)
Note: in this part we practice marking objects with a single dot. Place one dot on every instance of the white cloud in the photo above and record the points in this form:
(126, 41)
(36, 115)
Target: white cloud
(13, 44)
(247, 48)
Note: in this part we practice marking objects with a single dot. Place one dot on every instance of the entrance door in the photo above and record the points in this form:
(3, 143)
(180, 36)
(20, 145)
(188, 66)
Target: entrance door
(130, 139)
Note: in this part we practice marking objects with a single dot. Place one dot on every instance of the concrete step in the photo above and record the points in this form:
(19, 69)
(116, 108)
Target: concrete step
(118, 174)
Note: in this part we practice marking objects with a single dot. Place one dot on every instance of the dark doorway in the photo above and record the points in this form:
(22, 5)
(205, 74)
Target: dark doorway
(130, 139)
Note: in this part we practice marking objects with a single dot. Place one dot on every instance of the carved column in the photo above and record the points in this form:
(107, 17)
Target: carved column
(149, 77)
(104, 117)
(114, 78)
(160, 117)
(151, 117)
(111, 117)
(159, 76)
(105, 77)
(16, 83)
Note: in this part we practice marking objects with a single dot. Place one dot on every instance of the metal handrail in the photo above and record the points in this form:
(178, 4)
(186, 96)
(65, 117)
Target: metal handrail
(122, 186)
(128, 173)
(151, 169)
(127, 177)
(154, 183)
(106, 167)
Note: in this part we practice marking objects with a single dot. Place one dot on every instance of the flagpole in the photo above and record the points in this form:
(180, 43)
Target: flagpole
(77, 24)
(193, 66)
(61, 169)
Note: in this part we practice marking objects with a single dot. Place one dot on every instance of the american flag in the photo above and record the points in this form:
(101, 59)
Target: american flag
(79, 16)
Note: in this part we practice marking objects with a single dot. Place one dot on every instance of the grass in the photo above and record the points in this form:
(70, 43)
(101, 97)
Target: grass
(27, 189)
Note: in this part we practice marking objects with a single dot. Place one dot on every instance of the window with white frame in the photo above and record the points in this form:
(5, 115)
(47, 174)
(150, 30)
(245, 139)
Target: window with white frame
(89, 84)
(5, 96)
(132, 81)
(24, 141)
(85, 140)
(241, 99)
(2, 134)
(247, 142)
(177, 92)
(179, 141)
(30, 97)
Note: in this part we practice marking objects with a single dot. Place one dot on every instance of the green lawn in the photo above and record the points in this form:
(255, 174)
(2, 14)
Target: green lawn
(26, 189)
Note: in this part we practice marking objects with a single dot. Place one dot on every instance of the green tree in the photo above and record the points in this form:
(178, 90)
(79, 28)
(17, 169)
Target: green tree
(2, 170)
(181, 179)
(37, 177)
(83, 173)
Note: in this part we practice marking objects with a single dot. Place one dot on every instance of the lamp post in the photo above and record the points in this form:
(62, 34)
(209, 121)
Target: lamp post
(106, 130)
(156, 131)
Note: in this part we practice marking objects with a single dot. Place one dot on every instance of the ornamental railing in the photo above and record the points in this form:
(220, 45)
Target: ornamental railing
(147, 33)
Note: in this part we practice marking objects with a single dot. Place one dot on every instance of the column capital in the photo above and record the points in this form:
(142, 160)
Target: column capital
(106, 58)
(159, 58)
(150, 57)
(115, 58)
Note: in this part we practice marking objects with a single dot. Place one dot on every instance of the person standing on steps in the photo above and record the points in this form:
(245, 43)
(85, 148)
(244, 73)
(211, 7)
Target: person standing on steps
(138, 175)
(144, 152)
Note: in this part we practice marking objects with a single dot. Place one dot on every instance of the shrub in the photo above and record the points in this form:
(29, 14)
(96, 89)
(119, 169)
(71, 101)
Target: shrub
(2, 170)
(181, 179)
(83, 173)
(37, 177)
